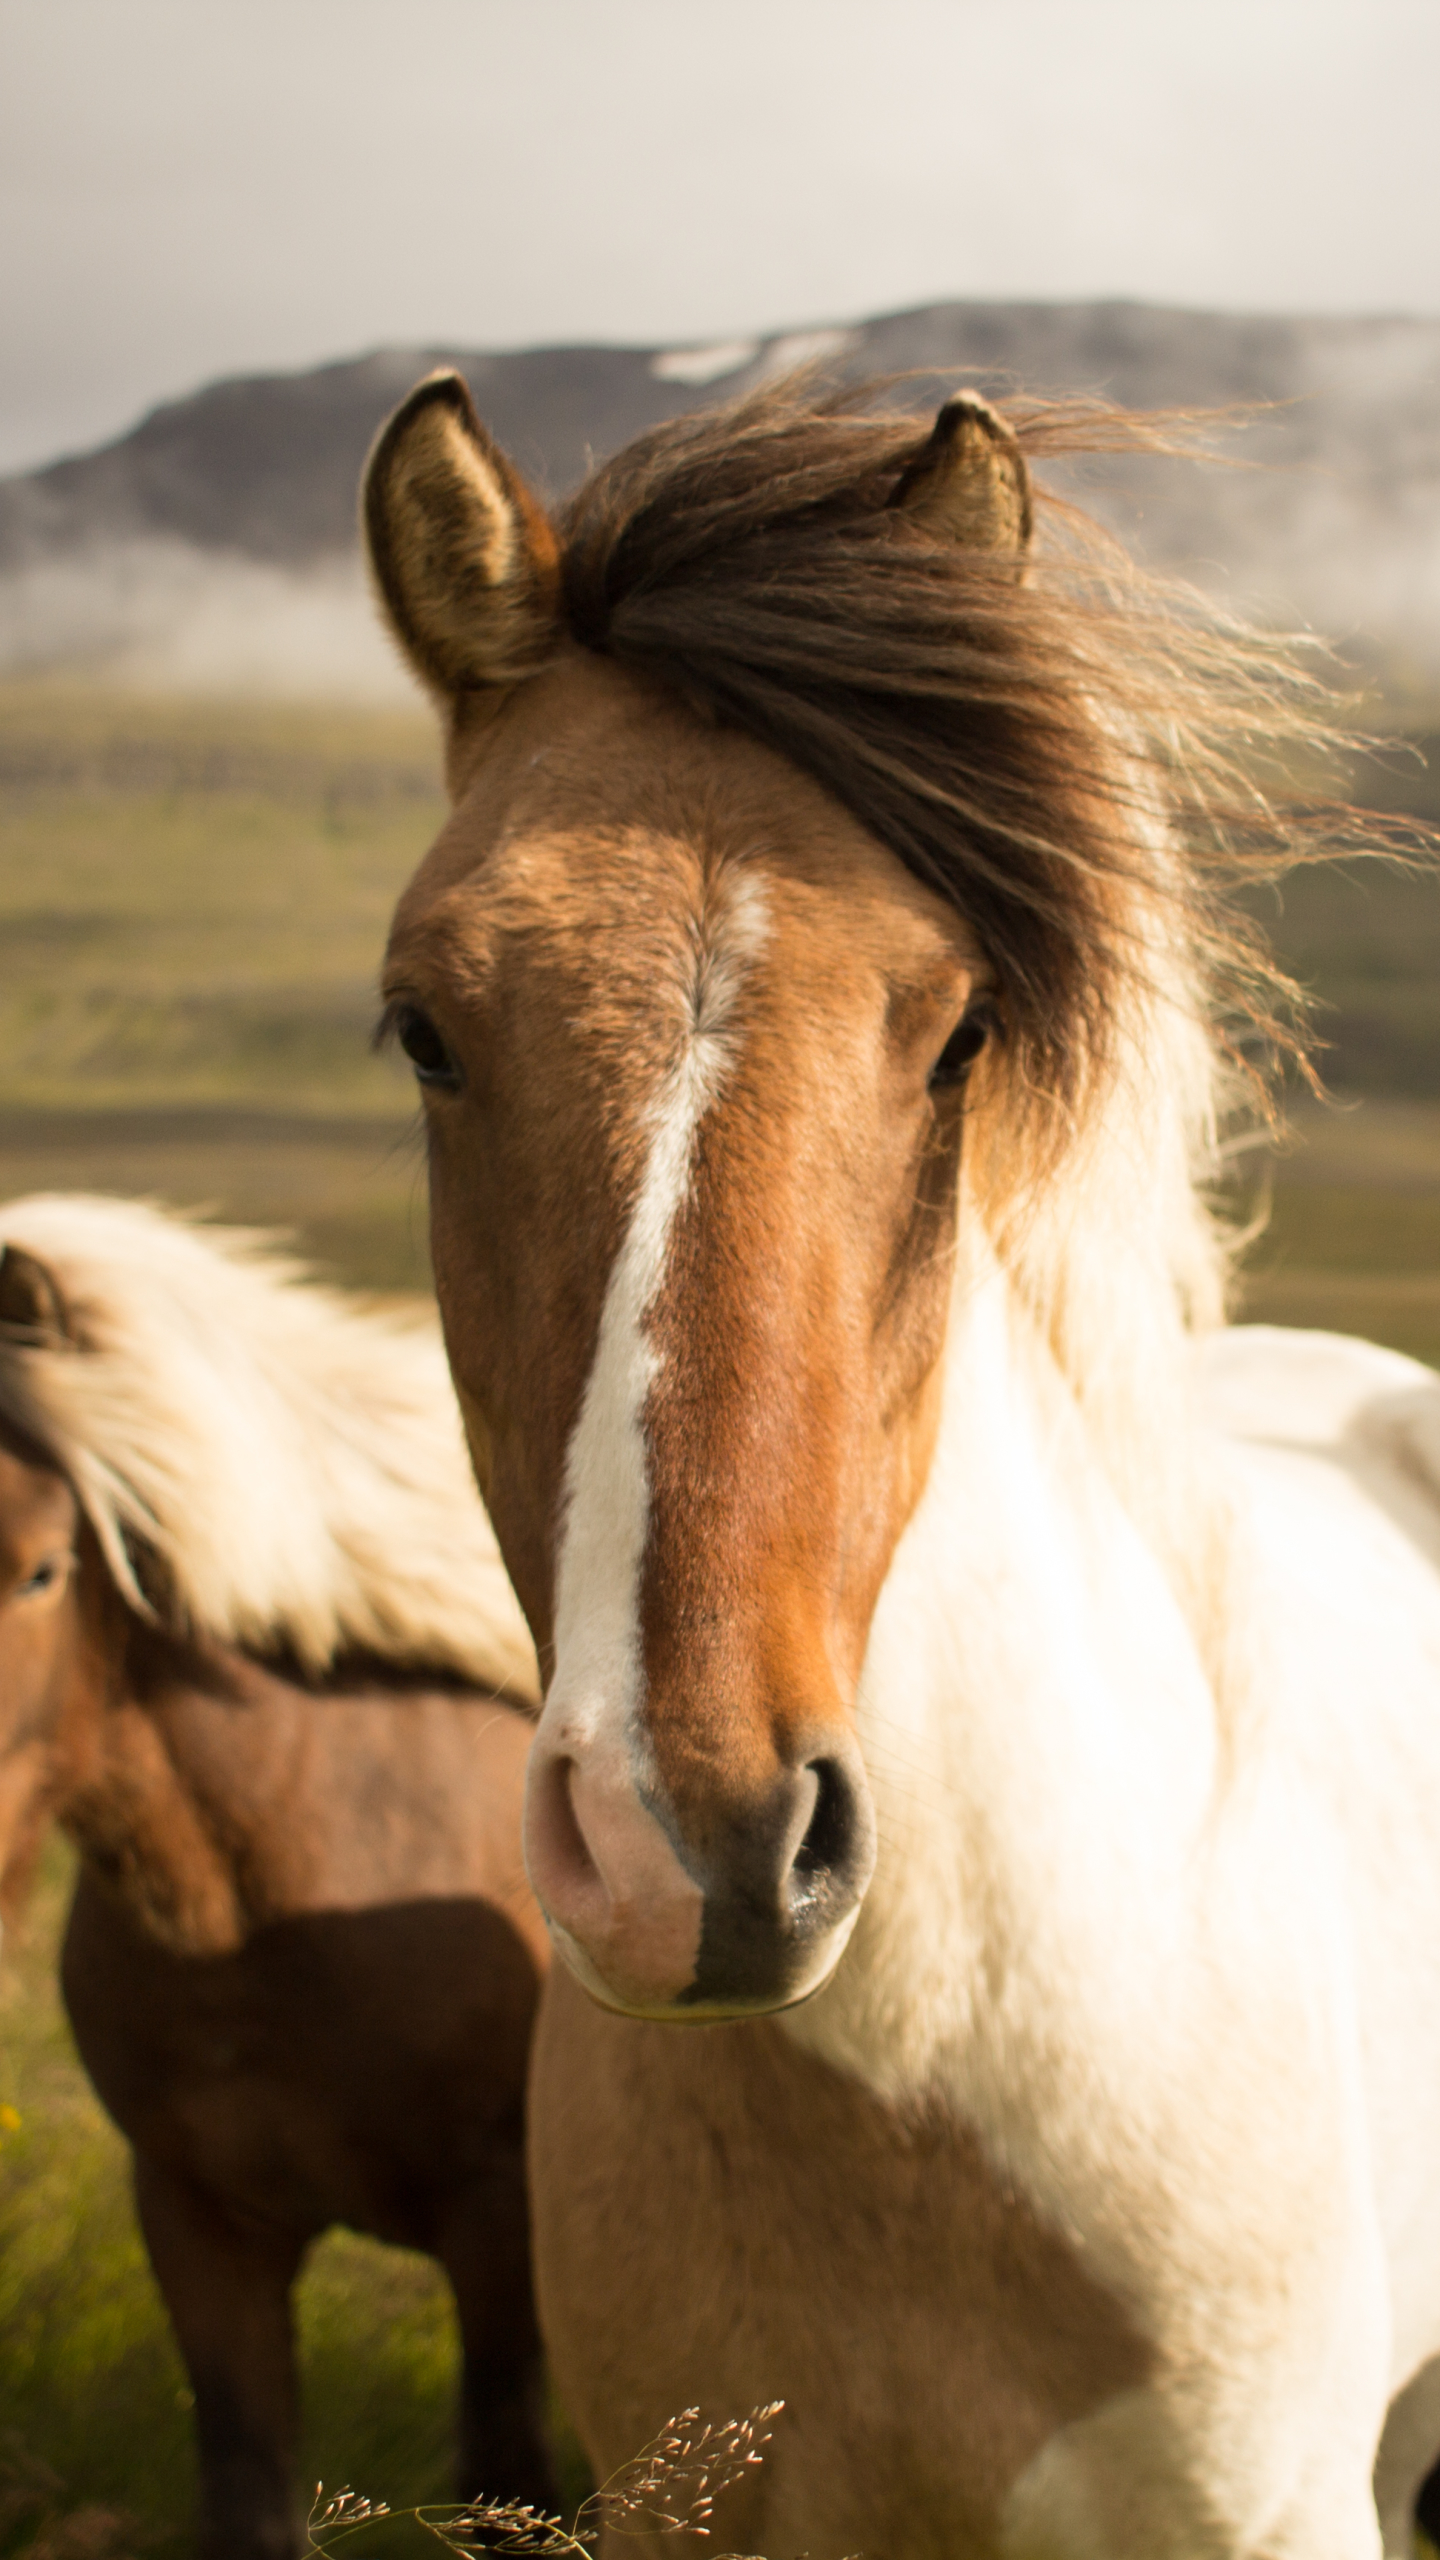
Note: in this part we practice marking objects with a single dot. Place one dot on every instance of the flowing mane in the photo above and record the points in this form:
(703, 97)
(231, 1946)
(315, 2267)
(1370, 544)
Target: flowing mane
(263, 1462)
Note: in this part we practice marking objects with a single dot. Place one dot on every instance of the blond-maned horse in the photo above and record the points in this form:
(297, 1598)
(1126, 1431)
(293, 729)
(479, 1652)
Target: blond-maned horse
(252, 1627)
(993, 1707)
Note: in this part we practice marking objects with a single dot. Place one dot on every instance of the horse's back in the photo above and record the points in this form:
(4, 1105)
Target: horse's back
(1273, 1380)
(1371, 1413)
(1335, 1447)
(1330, 1452)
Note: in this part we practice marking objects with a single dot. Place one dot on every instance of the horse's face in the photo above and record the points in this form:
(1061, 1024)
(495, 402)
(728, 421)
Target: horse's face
(692, 1045)
(677, 1020)
(39, 1639)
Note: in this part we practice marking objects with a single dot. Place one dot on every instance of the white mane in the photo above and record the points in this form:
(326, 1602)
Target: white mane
(1117, 1265)
(292, 1461)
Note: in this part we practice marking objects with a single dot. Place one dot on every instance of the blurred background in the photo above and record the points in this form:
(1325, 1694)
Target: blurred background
(232, 233)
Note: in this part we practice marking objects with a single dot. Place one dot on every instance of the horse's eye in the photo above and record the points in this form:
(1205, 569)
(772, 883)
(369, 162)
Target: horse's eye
(962, 1048)
(44, 1578)
(425, 1049)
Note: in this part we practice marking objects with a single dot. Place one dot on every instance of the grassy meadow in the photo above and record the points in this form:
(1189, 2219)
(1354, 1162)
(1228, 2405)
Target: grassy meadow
(193, 900)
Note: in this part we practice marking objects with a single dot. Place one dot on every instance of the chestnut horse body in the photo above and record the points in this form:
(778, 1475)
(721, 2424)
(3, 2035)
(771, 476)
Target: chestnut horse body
(991, 1706)
(302, 1962)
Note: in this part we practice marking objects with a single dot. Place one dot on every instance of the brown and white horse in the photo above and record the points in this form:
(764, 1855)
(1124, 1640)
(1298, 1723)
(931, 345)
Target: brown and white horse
(251, 1627)
(818, 994)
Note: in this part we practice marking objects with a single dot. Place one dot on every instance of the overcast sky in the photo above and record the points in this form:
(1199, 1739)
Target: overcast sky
(198, 187)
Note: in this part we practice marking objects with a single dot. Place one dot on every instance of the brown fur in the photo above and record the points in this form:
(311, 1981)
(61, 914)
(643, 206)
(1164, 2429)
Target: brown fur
(774, 1516)
(497, 936)
(301, 1966)
(926, 2349)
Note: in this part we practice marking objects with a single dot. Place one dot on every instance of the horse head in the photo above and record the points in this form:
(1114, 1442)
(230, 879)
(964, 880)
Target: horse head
(695, 1047)
(41, 1632)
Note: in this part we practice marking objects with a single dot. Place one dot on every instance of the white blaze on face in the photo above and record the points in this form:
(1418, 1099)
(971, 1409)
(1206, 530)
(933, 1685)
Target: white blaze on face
(595, 1691)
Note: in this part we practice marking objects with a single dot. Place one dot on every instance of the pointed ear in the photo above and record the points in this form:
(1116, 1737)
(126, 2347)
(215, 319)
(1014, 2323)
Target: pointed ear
(462, 553)
(30, 1299)
(969, 484)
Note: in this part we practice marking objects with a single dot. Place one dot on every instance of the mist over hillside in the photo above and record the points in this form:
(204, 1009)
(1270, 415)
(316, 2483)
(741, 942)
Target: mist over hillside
(214, 546)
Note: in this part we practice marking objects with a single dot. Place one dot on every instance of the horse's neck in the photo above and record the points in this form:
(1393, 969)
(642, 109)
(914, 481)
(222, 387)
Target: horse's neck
(1037, 1721)
(168, 1796)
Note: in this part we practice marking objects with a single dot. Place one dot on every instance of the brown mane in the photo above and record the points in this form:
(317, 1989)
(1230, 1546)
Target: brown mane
(1042, 750)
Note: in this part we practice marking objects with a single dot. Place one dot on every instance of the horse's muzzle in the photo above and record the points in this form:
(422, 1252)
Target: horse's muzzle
(660, 1924)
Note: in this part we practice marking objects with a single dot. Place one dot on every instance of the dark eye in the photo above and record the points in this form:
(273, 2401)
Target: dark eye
(424, 1048)
(963, 1047)
(44, 1578)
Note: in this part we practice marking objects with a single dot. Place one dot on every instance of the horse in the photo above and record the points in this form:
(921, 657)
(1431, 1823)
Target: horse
(259, 1658)
(991, 1705)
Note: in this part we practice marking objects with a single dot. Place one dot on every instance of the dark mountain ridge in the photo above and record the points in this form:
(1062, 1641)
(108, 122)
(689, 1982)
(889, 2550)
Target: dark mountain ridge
(1341, 527)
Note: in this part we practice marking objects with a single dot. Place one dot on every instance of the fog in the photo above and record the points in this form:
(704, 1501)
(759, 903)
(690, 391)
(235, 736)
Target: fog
(166, 616)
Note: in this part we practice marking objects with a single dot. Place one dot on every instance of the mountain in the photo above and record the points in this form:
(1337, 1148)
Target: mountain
(216, 542)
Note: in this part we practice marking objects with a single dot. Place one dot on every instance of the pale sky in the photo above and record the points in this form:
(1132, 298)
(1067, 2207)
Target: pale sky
(190, 188)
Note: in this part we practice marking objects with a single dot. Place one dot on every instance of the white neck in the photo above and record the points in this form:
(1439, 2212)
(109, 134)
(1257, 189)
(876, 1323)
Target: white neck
(1041, 1738)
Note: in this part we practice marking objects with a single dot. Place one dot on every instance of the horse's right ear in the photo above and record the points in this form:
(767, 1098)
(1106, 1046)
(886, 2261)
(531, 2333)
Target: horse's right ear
(462, 553)
(968, 484)
(30, 1299)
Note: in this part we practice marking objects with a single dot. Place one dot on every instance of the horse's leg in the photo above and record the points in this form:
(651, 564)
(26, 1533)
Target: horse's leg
(1427, 2510)
(227, 2290)
(485, 2249)
(1403, 2473)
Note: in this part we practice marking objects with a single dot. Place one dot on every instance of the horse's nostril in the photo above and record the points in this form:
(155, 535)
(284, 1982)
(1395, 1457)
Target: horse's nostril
(827, 1834)
(570, 1830)
(557, 1834)
(831, 1867)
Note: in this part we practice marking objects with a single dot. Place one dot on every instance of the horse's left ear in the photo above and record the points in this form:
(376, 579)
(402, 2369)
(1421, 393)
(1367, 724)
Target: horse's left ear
(30, 1298)
(969, 484)
(463, 553)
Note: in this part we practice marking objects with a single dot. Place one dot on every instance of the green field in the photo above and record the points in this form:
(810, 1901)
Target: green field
(193, 901)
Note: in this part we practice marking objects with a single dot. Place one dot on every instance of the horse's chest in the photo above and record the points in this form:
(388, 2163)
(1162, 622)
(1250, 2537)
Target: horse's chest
(723, 2220)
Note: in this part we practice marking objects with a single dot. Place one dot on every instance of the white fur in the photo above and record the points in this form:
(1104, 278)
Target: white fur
(293, 1461)
(1158, 1912)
